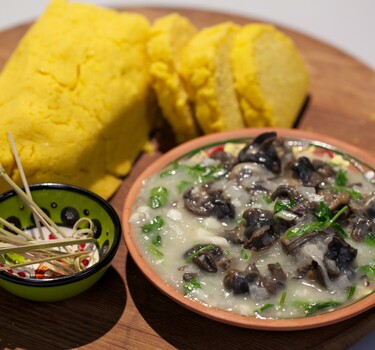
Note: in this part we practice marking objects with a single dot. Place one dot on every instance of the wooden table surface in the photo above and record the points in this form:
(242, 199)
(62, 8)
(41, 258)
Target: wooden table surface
(124, 310)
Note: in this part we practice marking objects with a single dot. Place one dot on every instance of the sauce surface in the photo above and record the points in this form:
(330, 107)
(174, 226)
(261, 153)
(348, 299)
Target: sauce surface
(267, 227)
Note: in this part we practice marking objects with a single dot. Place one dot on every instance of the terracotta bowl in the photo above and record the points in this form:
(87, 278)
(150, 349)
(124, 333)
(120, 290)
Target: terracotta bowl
(360, 157)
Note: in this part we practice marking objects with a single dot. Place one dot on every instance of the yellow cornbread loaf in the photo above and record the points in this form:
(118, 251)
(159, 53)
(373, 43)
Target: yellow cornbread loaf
(169, 35)
(76, 96)
(206, 68)
(271, 78)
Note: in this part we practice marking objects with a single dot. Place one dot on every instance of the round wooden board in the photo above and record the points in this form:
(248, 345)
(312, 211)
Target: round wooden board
(124, 310)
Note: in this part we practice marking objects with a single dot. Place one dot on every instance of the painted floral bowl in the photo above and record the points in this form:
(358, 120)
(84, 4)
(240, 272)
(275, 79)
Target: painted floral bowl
(53, 280)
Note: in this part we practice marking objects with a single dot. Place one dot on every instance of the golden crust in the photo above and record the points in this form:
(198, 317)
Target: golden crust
(206, 69)
(81, 110)
(271, 78)
(75, 96)
(169, 36)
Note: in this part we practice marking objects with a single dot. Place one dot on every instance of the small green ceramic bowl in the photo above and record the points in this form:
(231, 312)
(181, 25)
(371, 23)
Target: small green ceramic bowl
(64, 204)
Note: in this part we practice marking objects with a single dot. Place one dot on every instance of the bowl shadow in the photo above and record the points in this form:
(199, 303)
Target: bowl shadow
(304, 108)
(65, 324)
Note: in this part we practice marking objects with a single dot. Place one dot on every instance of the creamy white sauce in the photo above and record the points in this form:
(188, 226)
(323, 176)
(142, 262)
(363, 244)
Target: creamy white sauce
(182, 230)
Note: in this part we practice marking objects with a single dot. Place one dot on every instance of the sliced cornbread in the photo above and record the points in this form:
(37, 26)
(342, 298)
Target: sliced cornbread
(76, 96)
(168, 38)
(206, 69)
(271, 78)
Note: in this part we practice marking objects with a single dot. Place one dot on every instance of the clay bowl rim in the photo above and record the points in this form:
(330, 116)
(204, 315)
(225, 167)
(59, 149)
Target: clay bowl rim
(214, 313)
(90, 271)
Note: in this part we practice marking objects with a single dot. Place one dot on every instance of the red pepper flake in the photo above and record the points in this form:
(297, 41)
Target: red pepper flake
(322, 152)
(43, 272)
(82, 246)
(39, 272)
(215, 149)
(21, 274)
(51, 236)
(85, 262)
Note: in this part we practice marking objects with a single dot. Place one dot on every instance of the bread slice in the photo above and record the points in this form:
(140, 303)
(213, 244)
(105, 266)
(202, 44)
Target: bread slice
(76, 95)
(206, 69)
(168, 38)
(271, 77)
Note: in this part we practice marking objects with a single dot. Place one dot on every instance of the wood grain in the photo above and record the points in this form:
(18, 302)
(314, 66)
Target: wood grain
(125, 311)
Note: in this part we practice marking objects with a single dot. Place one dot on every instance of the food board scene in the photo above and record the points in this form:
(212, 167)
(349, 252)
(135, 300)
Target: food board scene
(173, 169)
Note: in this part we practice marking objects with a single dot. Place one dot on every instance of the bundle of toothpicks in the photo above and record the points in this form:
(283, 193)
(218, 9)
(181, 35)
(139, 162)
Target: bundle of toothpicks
(61, 255)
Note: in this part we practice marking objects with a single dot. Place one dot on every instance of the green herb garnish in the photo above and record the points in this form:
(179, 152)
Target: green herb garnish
(157, 253)
(368, 270)
(311, 308)
(201, 173)
(196, 253)
(282, 299)
(263, 308)
(299, 231)
(183, 185)
(155, 225)
(352, 193)
(341, 178)
(240, 220)
(170, 171)
(337, 215)
(370, 240)
(351, 291)
(158, 197)
(244, 254)
(205, 173)
(267, 199)
(191, 285)
(322, 212)
(318, 225)
(338, 229)
(157, 240)
(279, 205)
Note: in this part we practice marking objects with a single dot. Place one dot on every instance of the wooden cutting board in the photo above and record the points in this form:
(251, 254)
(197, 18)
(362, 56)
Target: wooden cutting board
(125, 311)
